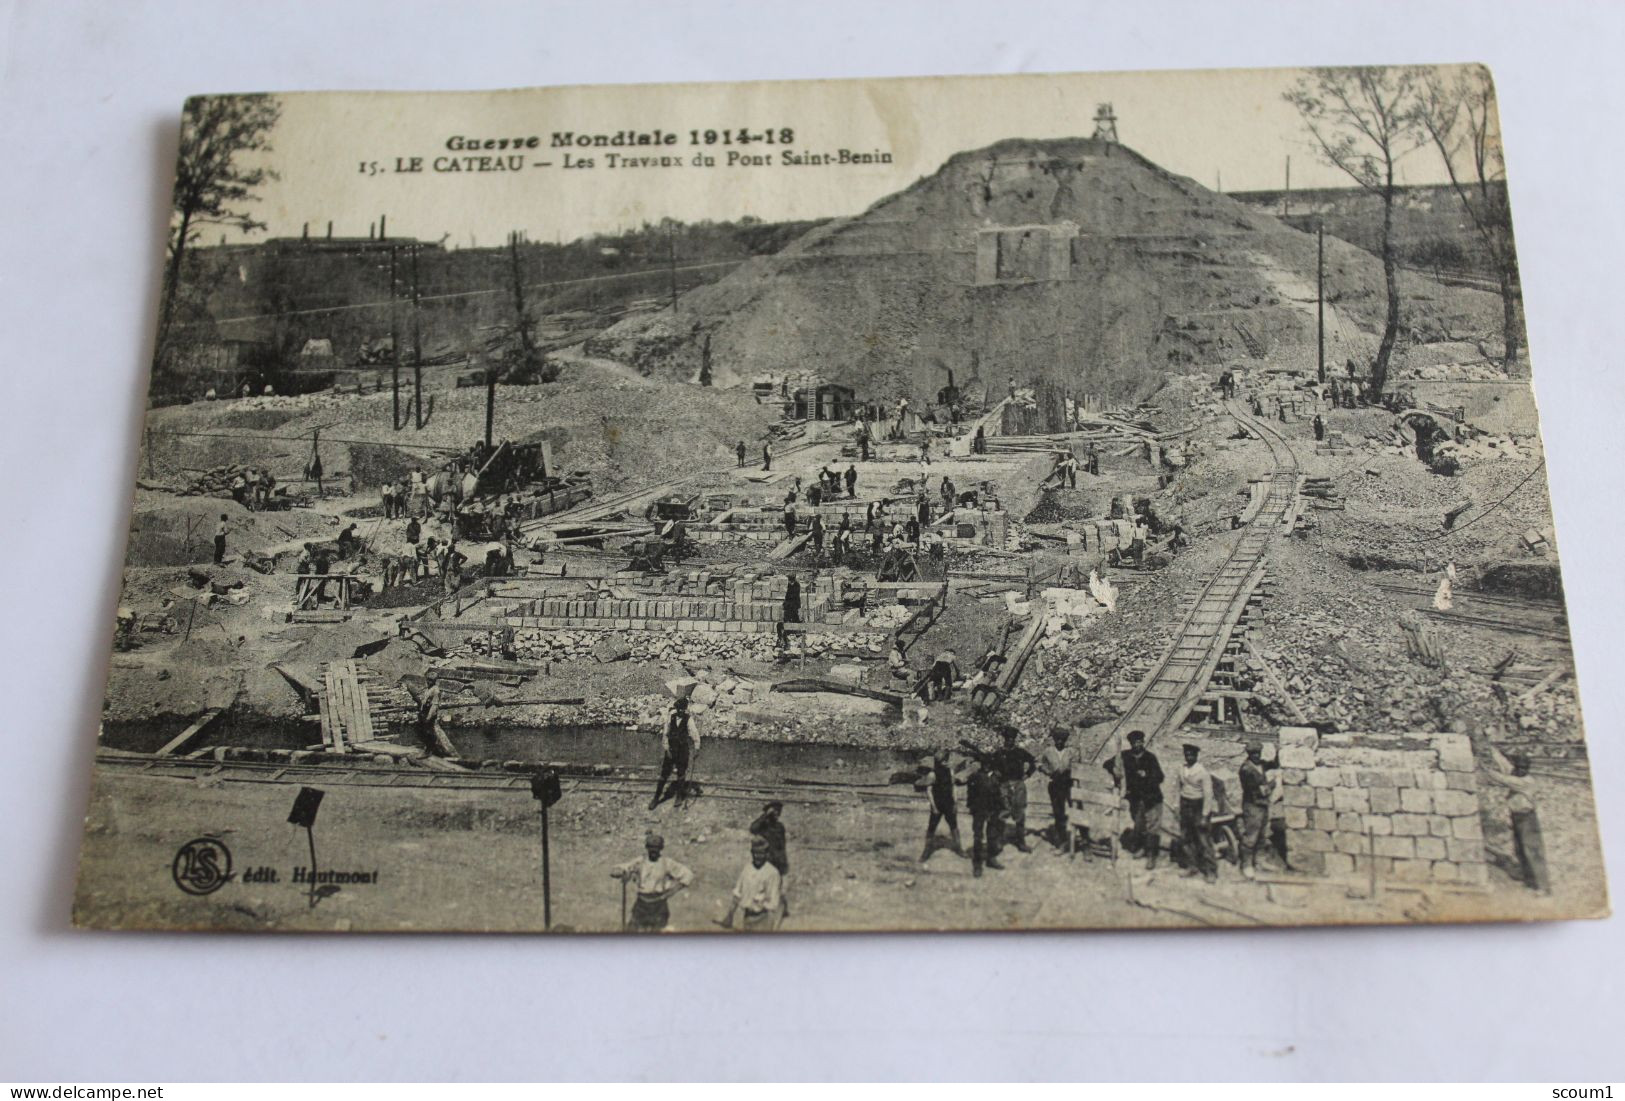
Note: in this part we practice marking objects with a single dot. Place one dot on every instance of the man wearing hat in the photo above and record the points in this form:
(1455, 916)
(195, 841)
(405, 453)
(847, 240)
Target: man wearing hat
(984, 798)
(769, 829)
(757, 892)
(1141, 781)
(679, 739)
(1056, 762)
(1256, 790)
(1526, 836)
(938, 784)
(657, 878)
(1015, 764)
(1196, 806)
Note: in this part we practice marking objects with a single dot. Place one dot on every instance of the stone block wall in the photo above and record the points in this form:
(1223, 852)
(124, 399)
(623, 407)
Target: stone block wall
(698, 601)
(1405, 803)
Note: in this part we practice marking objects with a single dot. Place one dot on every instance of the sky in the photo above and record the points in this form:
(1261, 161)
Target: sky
(1228, 129)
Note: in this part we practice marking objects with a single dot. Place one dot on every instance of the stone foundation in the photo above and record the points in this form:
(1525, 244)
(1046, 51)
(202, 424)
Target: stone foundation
(1406, 804)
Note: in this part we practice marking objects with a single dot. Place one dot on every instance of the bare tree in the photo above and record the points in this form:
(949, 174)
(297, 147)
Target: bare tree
(211, 184)
(1364, 121)
(1459, 116)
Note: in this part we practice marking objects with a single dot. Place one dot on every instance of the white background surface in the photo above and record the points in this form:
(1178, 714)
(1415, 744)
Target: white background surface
(91, 94)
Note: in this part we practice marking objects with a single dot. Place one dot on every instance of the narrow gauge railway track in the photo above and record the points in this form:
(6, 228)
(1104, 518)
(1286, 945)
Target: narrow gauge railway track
(1172, 688)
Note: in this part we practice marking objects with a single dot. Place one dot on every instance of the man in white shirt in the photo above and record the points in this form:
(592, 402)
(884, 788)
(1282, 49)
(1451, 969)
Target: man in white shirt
(657, 878)
(757, 892)
(1512, 774)
(1196, 807)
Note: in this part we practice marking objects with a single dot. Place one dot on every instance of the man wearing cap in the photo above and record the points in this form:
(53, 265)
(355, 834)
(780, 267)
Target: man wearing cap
(1196, 806)
(1056, 762)
(1141, 782)
(1256, 788)
(1526, 837)
(679, 740)
(938, 784)
(757, 892)
(657, 878)
(1015, 764)
(768, 828)
(984, 798)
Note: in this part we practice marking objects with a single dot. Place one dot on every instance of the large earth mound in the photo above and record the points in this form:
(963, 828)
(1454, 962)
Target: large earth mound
(1074, 261)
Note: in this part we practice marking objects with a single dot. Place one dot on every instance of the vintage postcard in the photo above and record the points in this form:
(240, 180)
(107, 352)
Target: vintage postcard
(1016, 502)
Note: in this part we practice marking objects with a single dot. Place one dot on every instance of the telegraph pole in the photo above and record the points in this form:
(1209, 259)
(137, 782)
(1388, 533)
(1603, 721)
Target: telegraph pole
(394, 348)
(417, 343)
(1320, 294)
(671, 263)
(490, 401)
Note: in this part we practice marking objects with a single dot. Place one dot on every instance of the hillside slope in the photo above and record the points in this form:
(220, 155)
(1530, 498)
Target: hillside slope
(1158, 275)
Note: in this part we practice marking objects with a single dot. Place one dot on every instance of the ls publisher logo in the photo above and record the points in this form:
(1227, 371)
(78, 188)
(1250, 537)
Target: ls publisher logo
(202, 866)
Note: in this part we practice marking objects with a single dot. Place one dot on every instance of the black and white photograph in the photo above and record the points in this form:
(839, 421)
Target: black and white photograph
(869, 505)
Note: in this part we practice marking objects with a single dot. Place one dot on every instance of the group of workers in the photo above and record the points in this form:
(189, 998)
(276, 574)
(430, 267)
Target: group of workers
(253, 488)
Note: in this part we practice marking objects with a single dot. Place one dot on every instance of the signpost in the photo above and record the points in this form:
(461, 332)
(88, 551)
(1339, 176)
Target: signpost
(305, 805)
(545, 789)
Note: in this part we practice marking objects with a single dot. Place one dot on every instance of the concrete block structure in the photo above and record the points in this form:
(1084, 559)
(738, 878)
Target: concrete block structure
(1403, 805)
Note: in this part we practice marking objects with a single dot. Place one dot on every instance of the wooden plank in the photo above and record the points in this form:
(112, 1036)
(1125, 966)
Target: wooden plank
(177, 743)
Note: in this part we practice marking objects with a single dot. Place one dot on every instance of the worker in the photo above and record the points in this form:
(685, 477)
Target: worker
(792, 600)
(1094, 459)
(767, 455)
(413, 531)
(1056, 762)
(911, 531)
(428, 715)
(267, 484)
(1012, 387)
(451, 566)
(944, 672)
(1226, 385)
(387, 493)
(1256, 405)
(978, 443)
(239, 488)
(220, 540)
(1256, 785)
(938, 784)
(657, 878)
(770, 828)
(1280, 410)
(925, 451)
(1513, 775)
(984, 799)
(347, 542)
(851, 480)
(757, 892)
(313, 473)
(790, 515)
(1015, 764)
(817, 529)
(1197, 804)
(923, 510)
(1140, 780)
(679, 743)
(843, 539)
(1320, 427)
(740, 452)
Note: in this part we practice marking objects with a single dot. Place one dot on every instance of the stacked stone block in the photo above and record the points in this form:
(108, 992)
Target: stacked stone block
(1406, 804)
